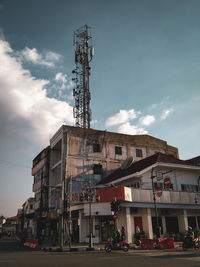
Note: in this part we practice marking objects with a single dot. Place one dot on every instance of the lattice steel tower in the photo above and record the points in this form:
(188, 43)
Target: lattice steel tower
(84, 53)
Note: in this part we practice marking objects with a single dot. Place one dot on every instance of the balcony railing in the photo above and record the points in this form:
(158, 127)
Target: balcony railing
(169, 197)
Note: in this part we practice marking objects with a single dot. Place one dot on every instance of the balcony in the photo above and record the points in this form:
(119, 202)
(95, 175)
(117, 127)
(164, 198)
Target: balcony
(168, 197)
(36, 186)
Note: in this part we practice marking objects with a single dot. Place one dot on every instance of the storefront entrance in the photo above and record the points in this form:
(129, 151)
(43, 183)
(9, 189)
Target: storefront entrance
(75, 226)
(138, 223)
(172, 225)
(107, 227)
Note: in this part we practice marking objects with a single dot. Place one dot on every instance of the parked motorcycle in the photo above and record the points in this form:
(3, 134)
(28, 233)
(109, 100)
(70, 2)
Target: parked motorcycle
(121, 245)
(188, 242)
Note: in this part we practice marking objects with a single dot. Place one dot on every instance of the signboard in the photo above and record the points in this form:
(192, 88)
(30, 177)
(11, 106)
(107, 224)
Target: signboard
(75, 197)
(167, 182)
(159, 191)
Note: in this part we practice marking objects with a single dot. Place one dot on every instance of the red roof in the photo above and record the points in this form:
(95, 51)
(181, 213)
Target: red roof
(141, 165)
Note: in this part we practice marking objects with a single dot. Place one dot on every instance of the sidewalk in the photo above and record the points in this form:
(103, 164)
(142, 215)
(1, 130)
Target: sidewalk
(74, 247)
(97, 247)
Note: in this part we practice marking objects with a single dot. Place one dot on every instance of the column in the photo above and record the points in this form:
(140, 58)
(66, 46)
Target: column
(149, 224)
(80, 227)
(185, 220)
(129, 226)
(164, 224)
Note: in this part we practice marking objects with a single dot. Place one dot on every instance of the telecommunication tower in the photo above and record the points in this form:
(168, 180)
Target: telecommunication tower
(84, 53)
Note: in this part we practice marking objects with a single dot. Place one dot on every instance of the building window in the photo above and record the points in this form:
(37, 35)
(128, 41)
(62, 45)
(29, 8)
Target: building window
(97, 169)
(96, 147)
(118, 150)
(189, 188)
(136, 185)
(139, 153)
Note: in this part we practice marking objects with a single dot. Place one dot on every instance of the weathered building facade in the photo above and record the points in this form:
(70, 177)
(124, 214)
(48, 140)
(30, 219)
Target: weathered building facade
(28, 217)
(85, 157)
(40, 171)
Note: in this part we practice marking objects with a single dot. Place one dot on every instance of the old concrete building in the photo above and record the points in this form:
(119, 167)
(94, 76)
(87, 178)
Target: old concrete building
(40, 171)
(87, 156)
(28, 217)
(175, 184)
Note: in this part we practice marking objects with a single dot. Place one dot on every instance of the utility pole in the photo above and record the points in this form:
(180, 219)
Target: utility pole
(84, 53)
(63, 179)
(155, 205)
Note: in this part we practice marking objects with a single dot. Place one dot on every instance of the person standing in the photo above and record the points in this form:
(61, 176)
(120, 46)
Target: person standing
(123, 233)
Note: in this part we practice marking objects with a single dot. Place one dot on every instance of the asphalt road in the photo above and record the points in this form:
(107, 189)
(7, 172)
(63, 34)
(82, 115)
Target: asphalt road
(11, 255)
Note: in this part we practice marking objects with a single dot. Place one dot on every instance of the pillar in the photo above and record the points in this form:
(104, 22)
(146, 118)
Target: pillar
(149, 224)
(80, 227)
(129, 226)
(185, 220)
(164, 224)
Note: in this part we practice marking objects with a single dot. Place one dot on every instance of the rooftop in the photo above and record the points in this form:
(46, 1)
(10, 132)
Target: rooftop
(143, 164)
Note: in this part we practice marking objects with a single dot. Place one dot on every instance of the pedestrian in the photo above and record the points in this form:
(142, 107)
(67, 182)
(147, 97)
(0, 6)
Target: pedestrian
(123, 234)
(117, 235)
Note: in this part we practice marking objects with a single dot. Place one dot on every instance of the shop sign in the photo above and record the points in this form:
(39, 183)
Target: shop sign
(167, 182)
(159, 191)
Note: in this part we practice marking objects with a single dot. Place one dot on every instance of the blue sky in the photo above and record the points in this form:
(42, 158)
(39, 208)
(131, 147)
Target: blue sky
(145, 77)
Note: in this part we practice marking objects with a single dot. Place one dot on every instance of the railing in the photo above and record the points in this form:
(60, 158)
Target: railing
(171, 197)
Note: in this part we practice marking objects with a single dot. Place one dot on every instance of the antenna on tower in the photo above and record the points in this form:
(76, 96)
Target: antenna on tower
(84, 53)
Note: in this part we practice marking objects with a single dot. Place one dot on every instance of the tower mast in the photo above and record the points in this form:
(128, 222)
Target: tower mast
(84, 53)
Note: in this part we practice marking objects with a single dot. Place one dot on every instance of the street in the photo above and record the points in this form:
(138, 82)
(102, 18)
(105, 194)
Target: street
(12, 255)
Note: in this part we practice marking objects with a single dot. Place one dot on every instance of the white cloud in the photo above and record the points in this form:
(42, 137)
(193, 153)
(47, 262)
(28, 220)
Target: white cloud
(61, 77)
(47, 59)
(94, 121)
(65, 82)
(122, 116)
(24, 103)
(166, 113)
(147, 120)
(127, 128)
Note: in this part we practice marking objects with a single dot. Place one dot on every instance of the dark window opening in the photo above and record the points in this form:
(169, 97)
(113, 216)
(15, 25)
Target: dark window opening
(97, 169)
(192, 222)
(189, 188)
(139, 153)
(96, 147)
(118, 150)
(154, 224)
(198, 221)
(172, 225)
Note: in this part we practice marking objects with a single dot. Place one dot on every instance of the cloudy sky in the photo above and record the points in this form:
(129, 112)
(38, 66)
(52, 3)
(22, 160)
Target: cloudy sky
(145, 77)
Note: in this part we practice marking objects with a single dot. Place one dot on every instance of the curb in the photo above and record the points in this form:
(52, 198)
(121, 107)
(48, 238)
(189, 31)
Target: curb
(52, 249)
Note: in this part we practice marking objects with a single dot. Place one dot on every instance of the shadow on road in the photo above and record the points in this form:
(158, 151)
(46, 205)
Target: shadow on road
(10, 245)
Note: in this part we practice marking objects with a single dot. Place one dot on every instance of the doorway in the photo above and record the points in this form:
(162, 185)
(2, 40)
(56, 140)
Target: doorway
(138, 222)
(172, 225)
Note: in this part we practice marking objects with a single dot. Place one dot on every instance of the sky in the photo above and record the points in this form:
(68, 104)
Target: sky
(145, 77)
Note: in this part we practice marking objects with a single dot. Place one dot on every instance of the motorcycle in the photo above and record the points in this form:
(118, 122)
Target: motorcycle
(188, 242)
(121, 245)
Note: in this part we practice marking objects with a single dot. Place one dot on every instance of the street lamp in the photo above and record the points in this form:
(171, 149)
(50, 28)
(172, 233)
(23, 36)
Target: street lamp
(159, 176)
(155, 205)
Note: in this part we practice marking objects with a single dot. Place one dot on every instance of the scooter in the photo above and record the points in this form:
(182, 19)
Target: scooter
(121, 245)
(188, 242)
